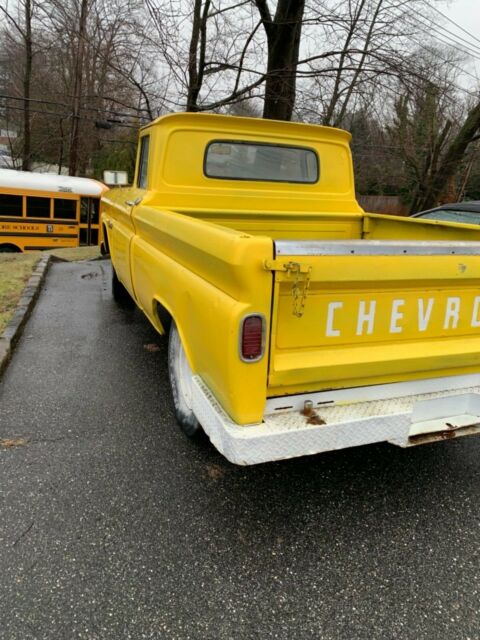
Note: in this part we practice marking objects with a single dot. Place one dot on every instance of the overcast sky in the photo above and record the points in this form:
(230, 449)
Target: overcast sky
(466, 13)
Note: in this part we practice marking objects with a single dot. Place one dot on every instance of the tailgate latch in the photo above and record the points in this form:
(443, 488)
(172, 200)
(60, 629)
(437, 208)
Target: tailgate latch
(300, 275)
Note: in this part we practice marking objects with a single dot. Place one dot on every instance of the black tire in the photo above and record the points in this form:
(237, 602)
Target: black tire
(120, 294)
(180, 381)
(9, 248)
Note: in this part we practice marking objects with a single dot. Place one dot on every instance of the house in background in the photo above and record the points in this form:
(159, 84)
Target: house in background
(7, 137)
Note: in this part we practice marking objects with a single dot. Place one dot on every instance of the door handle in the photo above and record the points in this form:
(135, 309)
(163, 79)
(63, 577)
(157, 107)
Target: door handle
(109, 224)
(133, 203)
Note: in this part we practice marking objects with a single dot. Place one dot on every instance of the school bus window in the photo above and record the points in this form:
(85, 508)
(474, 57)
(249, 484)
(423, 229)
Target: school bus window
(84, 210)
(89, 210)
(10, 205)
(65, 209)
(95, 210)
(38, 207)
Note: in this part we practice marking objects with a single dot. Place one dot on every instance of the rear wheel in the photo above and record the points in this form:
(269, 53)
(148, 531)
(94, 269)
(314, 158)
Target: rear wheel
(9, 248)
(120, 294)
(181, 383)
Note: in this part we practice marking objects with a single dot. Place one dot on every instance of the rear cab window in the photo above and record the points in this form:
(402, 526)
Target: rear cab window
(239, 160)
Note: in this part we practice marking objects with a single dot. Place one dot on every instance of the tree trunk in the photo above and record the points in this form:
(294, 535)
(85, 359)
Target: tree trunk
(27, 79)
(283, 40)
(196, 58)
(77, 89)
(60, 147)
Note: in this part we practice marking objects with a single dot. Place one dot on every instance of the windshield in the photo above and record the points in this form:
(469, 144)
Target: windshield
(452, 215)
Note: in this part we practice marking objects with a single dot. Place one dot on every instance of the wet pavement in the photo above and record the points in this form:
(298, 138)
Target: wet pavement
(113, 525)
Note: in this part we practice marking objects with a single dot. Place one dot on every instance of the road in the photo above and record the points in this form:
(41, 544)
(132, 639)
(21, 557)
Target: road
(113, 525)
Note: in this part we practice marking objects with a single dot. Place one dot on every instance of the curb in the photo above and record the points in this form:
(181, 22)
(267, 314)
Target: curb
(13, 330)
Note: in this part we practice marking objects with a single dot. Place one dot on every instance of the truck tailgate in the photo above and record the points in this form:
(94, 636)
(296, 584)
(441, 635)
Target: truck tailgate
(357, 313)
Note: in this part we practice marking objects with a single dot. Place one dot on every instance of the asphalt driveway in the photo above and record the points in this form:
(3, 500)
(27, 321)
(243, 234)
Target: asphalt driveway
(113, 525)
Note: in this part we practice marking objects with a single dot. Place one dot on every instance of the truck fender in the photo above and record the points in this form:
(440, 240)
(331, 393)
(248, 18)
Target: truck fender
(162, 316)
(105, 246)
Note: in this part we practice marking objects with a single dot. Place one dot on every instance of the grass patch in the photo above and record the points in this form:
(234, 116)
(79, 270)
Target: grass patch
(16, 269)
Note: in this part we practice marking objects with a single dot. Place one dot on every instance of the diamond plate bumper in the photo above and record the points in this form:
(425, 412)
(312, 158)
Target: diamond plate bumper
(404, 421)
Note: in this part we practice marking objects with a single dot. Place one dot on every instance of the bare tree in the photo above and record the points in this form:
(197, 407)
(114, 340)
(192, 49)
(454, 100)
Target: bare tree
(99, 83)
(283, 31)
(196, 58)
(421, 127)
(81, 32)
(360, 14)
(220, 63)
(22, 23)
(350, 63)
(450, 163)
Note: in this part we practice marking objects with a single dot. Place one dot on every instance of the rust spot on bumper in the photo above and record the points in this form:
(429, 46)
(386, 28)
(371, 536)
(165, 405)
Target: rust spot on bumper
(311, 415)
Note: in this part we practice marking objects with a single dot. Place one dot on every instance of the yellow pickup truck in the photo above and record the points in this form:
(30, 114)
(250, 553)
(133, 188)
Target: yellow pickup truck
(297, 322)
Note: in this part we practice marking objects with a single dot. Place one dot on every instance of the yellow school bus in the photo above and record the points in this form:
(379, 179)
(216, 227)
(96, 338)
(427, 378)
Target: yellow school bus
(47, 211)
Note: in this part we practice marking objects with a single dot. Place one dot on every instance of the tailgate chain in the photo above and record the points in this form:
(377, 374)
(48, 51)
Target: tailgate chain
(302, 274)
(299, 294)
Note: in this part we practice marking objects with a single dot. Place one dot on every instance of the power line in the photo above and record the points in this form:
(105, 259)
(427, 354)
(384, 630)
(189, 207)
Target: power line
(428, 28)
(450, 42)
(444, 15)
(62, 116)
(67, 106)
(453, 66)
(446, 61)
(457, 38)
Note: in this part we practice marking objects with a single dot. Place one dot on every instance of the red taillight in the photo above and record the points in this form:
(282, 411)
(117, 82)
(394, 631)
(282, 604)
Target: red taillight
(251, 346)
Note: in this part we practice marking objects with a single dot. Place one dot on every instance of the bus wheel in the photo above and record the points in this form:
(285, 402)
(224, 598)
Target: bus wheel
(181, 383)
(120, 294)
(9, 248)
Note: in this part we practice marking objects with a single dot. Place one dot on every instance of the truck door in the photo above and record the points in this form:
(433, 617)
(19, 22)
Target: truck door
(120, 224)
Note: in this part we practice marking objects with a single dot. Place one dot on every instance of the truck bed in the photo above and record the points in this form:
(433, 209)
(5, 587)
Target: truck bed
(324, 225)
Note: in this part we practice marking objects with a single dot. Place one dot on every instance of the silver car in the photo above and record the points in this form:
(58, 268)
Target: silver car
(464, 212)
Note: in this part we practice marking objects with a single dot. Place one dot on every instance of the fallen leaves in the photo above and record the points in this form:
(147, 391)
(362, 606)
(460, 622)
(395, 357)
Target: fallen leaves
(151, 347)
(7, 443)
(215, 472)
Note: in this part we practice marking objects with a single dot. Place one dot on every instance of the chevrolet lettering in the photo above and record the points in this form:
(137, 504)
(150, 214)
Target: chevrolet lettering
(399, 315)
